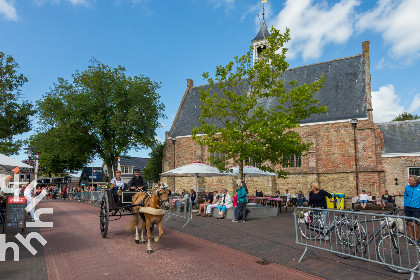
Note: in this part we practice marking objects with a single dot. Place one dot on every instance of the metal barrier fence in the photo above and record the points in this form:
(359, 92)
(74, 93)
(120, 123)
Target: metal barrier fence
(93, 197)
(385, 239)
(181, 208)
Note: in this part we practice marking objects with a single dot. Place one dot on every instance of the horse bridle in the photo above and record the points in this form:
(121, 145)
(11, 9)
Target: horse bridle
(158, 194)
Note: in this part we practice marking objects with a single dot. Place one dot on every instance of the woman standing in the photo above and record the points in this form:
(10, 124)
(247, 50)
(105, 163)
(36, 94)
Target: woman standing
(317, 199)
(240, 209)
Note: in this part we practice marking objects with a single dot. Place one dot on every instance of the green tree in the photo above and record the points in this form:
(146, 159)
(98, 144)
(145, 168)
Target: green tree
(107, 110)
(14, 115)
(406, 116)
(154, 167)
(245, 129)
(62, 149)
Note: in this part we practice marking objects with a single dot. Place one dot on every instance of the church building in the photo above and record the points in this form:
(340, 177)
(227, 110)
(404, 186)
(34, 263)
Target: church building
(350, 152)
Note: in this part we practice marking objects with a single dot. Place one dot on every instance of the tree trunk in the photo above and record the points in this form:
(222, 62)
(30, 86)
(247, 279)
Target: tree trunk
(241, 170)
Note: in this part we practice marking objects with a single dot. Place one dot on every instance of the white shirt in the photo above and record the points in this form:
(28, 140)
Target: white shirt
(363, 196)
(118, 184)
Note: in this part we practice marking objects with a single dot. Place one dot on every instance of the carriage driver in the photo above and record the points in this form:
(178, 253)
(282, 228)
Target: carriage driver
(137, 183)
(117, 183)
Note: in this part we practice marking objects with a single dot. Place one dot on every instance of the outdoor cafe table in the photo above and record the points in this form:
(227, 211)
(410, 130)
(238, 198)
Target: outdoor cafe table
(277, 200)
(257, 199)
(264, 199)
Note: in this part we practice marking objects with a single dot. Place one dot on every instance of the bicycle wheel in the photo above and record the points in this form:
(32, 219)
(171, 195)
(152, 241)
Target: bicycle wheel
(400, 250)
(104, 215)
(311, 230)
(351, 236)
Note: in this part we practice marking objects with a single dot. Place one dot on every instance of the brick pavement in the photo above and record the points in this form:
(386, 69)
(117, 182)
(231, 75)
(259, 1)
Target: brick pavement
(75, 250)
(273, 239)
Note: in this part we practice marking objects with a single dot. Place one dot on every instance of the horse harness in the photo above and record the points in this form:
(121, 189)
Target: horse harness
(148, 194)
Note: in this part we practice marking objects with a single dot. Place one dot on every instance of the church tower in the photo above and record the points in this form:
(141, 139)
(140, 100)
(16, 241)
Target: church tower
(260, 41)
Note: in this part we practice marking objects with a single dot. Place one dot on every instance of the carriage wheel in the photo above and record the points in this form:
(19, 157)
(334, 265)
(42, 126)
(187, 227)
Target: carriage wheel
(104, 215)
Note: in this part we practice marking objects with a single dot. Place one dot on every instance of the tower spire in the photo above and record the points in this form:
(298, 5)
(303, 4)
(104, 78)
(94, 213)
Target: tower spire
(260, 41)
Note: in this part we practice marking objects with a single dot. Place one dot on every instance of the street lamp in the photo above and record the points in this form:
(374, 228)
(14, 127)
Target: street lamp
(354, 123)
(30, 149)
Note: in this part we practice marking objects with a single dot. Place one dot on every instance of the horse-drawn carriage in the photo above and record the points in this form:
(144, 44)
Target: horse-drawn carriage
(146, 206)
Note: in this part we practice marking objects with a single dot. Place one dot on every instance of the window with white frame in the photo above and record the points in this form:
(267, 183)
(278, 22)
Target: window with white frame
(127, 169)
(414, 171)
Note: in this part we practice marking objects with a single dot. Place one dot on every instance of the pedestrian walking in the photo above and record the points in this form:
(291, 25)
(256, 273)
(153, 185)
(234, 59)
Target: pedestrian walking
(412, 205)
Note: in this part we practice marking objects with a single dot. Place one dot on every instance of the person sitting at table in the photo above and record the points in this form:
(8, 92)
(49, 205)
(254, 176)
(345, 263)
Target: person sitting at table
(287, 195)
(300, 198)
(371, 198)
(293, 199)
(225, 203)
(207, 200)
(192, 196)
(259, 194)
(386, 198)
(277, 193)
(214, 204)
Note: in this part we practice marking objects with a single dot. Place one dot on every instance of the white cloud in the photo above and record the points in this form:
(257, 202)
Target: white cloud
(73, 2)
(415, 104)
(386, 104)
(314, 25)
(8, 10)
(227, 3)
(398, 22)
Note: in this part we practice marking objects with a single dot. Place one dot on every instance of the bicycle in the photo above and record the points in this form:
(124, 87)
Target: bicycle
(394, 246)
(346, 230)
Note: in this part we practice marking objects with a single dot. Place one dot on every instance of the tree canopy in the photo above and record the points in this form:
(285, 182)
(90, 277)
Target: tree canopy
(101, 112)
(406, 117)
(14, 114)
(154, 166)
(246, 130)
(62, 148)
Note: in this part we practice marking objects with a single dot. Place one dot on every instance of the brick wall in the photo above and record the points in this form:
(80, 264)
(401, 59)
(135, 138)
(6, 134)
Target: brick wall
(397, 167)
(330, 162)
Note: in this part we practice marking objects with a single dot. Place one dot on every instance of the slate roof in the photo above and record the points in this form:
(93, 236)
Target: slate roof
(262, 33)
(344, 93)
(401, 137)
(136, 162)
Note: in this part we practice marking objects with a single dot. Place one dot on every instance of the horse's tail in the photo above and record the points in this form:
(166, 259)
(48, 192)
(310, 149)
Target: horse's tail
(133, 224)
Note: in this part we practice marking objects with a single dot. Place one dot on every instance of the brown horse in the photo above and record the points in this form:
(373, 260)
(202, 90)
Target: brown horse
(154, 208)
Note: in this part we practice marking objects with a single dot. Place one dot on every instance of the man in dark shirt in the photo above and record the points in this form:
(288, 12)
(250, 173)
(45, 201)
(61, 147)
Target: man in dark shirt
(386, 198)
(137, 183)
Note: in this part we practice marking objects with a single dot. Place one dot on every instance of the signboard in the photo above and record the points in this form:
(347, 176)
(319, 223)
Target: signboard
(15, 212)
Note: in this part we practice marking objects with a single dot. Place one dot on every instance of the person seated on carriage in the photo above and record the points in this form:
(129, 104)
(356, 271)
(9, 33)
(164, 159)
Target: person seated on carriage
(137, 183)
(117, 184)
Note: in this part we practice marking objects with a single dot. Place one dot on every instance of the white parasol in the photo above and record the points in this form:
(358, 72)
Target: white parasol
(250, 171)
(196, 169)
(10, 162)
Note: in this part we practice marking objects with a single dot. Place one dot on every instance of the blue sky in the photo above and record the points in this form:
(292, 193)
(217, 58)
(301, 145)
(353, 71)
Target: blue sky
(171, 41)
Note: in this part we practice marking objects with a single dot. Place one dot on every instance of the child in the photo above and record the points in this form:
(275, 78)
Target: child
(363, 199)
